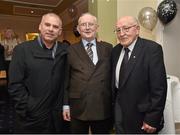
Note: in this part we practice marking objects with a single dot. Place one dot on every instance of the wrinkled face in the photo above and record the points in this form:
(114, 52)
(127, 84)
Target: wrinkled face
(87, 27)
(50, 28)
(127, 30)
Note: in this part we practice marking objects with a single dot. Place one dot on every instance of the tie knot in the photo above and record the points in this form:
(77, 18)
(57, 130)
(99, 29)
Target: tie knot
(126, 50)
(89, 45)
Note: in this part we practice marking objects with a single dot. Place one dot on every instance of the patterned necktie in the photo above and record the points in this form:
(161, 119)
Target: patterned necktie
(123, 65)
(89, 51)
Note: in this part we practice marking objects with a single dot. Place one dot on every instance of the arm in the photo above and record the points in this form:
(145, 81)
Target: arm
(66, 107)
(158, 88)
(16, 87)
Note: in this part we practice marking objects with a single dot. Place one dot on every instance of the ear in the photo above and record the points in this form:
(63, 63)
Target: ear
(138, 29)
(97, 27)
(39, 27)
(78, 28)
(60, 31)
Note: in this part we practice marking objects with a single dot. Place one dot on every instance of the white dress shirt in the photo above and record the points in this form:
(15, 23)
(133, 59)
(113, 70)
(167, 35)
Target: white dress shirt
(118, 66)
(95, 56)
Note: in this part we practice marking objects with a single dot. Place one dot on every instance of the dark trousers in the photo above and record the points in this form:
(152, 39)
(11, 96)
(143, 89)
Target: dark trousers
(118, 119)
(95, 127)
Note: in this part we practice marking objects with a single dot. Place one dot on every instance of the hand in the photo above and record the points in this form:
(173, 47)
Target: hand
(66, 115)
(147, 128)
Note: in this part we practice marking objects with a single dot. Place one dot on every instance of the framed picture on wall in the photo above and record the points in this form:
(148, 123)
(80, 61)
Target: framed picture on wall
(31, 36)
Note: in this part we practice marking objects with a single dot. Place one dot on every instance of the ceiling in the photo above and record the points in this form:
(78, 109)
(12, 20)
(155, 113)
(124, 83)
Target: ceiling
(34, 7)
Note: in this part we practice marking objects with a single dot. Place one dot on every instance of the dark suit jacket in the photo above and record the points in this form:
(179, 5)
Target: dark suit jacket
(142, 93)
(88, 89)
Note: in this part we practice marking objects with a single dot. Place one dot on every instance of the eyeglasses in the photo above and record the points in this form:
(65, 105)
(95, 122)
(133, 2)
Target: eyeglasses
(87, 24)
(124, 29)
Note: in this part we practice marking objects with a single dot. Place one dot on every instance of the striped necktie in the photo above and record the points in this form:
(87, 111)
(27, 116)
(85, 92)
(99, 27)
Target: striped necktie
(89, 50)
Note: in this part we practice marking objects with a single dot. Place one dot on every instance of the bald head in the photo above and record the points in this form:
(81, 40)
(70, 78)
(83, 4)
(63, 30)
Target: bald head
(45, 16)
(129, 20)
(89, 16)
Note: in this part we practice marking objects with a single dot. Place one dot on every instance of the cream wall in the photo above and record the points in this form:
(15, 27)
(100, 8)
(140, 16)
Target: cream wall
(107, 16)
(106, 13)
(132, 7)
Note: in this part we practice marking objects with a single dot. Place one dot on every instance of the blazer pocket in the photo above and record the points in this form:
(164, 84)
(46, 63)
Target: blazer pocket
(143, 107)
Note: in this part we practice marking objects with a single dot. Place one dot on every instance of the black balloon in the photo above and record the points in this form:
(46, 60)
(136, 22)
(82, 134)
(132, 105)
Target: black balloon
(166, 11)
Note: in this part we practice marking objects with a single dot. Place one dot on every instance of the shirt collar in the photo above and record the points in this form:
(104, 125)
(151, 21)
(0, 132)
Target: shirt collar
(131, 47)
(85, 42)
(41, 43)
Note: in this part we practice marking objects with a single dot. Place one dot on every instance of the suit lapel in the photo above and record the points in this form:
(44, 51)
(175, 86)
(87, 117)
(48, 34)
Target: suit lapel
(116, 55)
(133, 60)
(82, 54)
(100, 51)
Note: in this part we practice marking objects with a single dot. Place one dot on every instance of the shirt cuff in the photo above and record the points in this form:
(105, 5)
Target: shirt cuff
(66, 107)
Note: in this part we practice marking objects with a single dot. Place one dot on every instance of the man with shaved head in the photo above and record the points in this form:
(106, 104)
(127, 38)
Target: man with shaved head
(36, 79)
(139, 80)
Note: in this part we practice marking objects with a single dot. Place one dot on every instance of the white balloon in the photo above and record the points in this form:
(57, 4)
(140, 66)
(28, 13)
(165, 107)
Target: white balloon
(148, 18)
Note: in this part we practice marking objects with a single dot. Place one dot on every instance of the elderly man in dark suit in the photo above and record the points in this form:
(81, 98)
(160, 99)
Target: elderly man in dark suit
(139, 80)
(88, 91)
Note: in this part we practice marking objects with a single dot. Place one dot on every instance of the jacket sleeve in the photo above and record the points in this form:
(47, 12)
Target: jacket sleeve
(16, 87)
(158, 87)
(66, 84)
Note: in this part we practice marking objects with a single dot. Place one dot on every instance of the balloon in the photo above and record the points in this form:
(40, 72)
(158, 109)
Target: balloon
(166, 11)
(148, 18)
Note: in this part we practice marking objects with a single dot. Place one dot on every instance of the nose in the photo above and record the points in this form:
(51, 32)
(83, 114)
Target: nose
(87, 26)
(50, 28)
(121, 33)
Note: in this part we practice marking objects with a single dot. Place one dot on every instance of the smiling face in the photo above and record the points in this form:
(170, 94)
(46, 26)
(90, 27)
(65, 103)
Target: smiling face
(50, 28)
(87, 26)
(127, 30)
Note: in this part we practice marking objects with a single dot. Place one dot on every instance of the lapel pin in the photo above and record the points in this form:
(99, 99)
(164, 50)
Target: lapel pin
(134, 57)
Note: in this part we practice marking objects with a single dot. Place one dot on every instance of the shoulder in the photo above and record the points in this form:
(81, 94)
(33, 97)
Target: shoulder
(105, 44)
(151, 46)
(75, 45)
(26, 45)
(117, 48)
(149, 43)
(63, 45)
